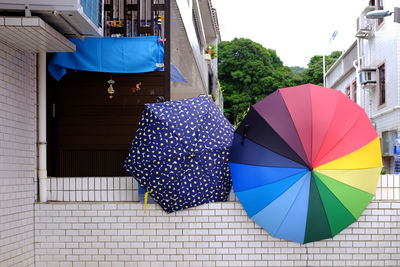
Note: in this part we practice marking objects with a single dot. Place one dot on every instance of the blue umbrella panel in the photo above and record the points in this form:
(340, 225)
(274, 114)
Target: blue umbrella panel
(180, 153)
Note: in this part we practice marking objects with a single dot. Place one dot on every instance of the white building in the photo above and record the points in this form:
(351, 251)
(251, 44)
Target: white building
(195, 27)
(376, 87)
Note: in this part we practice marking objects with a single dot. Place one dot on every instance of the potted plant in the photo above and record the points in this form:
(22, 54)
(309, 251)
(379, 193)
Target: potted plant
(211, 50)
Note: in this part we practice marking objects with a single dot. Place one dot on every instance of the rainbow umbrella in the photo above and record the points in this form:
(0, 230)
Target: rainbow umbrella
(305, 163)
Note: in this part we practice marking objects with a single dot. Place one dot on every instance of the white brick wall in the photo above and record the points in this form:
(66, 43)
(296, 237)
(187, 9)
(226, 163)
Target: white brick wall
(108, 189)
(17, 156)
(217, 234)
(84, 189)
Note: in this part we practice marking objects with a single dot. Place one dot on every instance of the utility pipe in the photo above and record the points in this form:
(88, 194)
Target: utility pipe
(323, 69)
(358, 82)
(42, 138)
(357, 66)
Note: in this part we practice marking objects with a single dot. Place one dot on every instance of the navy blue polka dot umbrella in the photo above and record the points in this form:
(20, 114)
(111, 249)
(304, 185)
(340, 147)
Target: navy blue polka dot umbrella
(180, 153)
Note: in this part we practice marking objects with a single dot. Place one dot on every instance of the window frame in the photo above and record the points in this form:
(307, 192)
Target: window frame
(347, 91)
(380, 83)
(354, 90)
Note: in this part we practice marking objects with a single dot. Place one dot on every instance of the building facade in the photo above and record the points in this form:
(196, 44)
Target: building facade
(196, 28)
(368, 72)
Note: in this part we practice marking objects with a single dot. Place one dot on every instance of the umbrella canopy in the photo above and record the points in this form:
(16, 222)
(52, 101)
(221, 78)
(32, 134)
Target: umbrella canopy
(180, 153)
(305, 162)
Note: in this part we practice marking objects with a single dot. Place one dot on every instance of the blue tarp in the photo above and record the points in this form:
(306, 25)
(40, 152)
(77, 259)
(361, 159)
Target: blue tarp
(112, 55)
(176, 76)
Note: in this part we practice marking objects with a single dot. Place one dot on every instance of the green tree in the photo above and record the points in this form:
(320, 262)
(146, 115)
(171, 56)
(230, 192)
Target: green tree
(297, 70)
(314, 71)
(248, 72)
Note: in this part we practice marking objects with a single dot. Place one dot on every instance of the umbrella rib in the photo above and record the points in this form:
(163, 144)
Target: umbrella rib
(306, 161)
(280, 225)
(323, 206)
(317, 171)
(302, 161)
(272, 165)
(336, 196)
(313, 157)
(276, 181)
(344, 135)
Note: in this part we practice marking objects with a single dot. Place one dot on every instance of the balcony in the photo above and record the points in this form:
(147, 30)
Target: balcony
(364, 25)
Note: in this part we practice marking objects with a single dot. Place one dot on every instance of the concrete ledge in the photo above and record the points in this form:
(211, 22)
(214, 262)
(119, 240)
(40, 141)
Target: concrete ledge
(32, 34)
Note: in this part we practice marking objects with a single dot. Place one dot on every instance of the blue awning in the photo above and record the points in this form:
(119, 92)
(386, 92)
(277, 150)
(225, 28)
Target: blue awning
(112, 55)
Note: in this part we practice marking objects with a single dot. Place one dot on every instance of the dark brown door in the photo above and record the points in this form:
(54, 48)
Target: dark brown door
(91, 133)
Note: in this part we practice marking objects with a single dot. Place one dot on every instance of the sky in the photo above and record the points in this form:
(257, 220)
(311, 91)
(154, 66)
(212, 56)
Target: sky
(297, 30)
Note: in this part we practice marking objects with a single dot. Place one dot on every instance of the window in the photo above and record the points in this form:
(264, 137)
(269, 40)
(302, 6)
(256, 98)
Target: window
(381, 85)
(347, 92)
(379, 6)
(354, 95)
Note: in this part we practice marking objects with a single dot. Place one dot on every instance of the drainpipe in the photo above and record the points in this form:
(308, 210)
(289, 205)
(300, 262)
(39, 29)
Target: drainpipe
(42, 139)
(323, 69)
(357, 66)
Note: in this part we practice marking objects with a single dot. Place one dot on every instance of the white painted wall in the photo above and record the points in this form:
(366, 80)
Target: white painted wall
(383, 47)
(17, 156)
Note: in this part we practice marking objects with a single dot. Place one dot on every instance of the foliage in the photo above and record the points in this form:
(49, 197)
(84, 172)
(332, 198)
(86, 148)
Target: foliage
(314, 72)
(212, 50)
(297, 70)
(248, 72)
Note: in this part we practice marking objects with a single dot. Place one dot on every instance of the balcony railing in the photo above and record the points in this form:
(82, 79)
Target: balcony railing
(134, 17)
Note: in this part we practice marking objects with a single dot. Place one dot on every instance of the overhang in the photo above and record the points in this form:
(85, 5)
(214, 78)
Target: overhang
(32, 34)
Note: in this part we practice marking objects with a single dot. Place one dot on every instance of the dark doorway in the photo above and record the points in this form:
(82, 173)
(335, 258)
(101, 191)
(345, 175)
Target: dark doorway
(89, 133)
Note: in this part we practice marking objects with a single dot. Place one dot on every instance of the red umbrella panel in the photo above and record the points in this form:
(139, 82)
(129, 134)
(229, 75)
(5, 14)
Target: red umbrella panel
(305, 162)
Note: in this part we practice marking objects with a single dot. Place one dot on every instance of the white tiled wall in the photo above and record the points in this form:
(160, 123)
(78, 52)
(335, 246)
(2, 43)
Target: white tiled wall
(17, 156)
(84, 189)
(217, 234)
(92, 189)
(388, 188)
